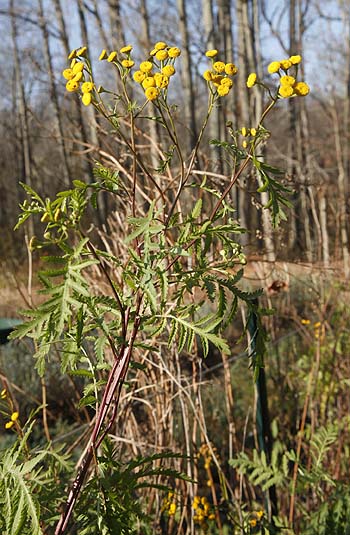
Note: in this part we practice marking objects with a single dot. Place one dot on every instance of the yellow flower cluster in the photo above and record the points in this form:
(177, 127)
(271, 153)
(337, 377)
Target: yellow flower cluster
(154, 82)
(247, 132)
(203, 510)
(14, 418)
(169, 505)
(218, 77)
(289, 86)
(75, 76)
(256, 518)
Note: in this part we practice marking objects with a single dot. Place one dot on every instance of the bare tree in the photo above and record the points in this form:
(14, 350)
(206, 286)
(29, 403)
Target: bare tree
(53, 94)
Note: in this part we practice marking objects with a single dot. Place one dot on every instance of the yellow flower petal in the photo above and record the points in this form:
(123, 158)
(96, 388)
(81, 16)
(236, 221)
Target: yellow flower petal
(14, 416)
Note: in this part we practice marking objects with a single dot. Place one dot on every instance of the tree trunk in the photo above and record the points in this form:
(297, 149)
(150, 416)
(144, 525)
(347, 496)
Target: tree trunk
(54, 97)
(187, 80)
(22, 109)
(214, 126)
(153, 127)
(117, 30)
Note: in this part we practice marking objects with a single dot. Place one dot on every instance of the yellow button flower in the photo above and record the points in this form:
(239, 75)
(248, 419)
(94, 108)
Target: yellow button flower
(286, 91)
(146, 66)
(139, 76)
(149, 81)
(231, 69)
(128, 63)
(252, 78)
(8, 425)
(72, 54)
(112, 56)
(82, 51)
(227, 81)
(87, 87)
(208, 75)
(78, 67)
(152, 93)
(103, 55)
(168, 70)
(223, 90)
(160, 45)
(172, 509)
(243, 131)
(161, 55)
(68, 74)
(86, 99)
(287, 80)
(126, 49)
(219, 66)
(211, 53)
(286, 64)
(253, 522)
(295, 59)
(78, 77)
(253, 132)
(14, 416)
(301, 89)
(274, 67)
(161, 80)
(174, 52)
(72, 86)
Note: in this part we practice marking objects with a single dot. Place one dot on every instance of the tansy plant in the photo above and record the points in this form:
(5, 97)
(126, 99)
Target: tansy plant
(173, 278)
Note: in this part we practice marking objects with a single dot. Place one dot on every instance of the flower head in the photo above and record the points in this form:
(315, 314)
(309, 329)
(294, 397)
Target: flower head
(274, 67)
(172, 509)
(285, 64)
(174, 52)
(160, 45)
(161, 55)
(231, 69)
(251, 80)
(168, 70)
(78, 76)
(301, 89)
(86, 99)
(208, 75)
(226, 81)
(72, 85)
(125, 49)
(146, 66)
(149, 81)
(14, 416)
(253, 132)
(244, 131)
(72, 54)
(82, 51)
(112, 56)
(161, 80)
(103, 55)
(286, 91)
(128, 63)
(295, 59)
(152, 93)
(223, 90)
(68, 74)
(211, 53)
(139, 76)
(8, 425)
(219, 66)
(287, 80)
(87, 87)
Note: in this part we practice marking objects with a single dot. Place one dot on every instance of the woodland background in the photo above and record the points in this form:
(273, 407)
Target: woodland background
(48, 140)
